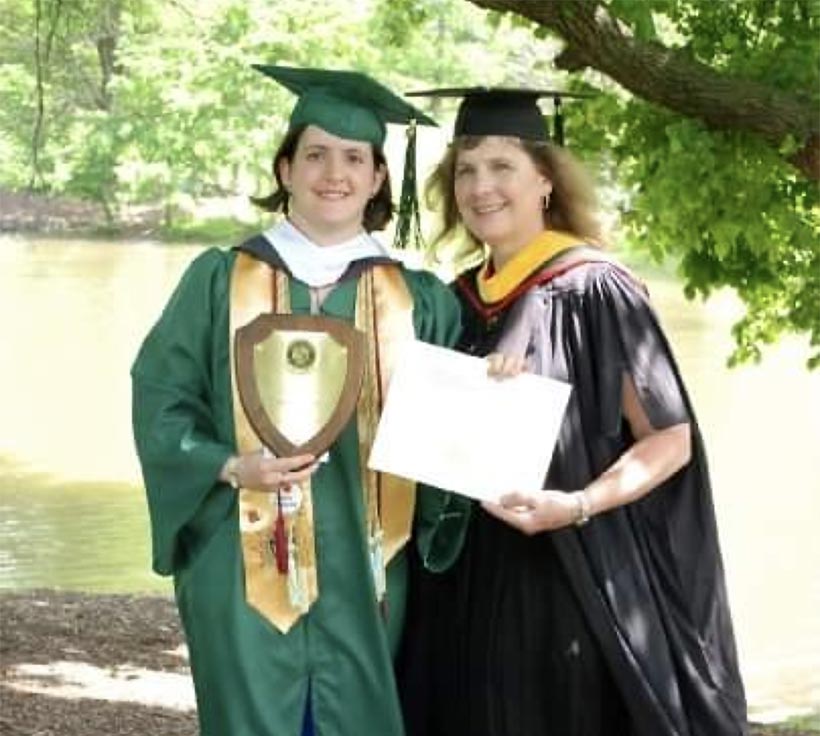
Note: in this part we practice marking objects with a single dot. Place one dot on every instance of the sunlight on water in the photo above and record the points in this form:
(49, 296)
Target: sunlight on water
(74, 316)
(72, 510)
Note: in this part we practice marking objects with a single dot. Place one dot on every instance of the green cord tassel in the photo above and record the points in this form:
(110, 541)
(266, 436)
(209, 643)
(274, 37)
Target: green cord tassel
(408, 226)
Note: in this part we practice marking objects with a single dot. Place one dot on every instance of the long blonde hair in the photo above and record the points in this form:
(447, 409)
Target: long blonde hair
(572, 205)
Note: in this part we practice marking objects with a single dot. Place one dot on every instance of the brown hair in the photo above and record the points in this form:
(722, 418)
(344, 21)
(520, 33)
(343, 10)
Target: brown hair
(572, 203)
(379, 209)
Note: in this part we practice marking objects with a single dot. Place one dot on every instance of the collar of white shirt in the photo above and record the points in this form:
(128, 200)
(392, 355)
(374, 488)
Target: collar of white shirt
(320, 265)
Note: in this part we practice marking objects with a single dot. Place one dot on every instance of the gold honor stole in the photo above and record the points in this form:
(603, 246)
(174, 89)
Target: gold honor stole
(384, 312)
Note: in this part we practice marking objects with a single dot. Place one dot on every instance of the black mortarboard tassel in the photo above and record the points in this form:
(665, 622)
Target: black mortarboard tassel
(557, 121)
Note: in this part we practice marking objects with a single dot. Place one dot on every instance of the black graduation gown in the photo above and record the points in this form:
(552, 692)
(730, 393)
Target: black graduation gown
(618, 627)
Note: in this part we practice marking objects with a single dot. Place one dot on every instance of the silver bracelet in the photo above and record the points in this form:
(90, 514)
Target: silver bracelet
(583, 508)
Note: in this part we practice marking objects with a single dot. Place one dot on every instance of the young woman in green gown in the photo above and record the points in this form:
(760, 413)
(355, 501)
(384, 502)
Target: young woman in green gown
(289, 572)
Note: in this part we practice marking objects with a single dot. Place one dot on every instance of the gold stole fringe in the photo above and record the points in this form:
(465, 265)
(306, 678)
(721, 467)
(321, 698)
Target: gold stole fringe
(384, 312)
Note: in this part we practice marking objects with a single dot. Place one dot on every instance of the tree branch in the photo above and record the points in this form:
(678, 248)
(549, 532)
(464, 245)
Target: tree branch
(671, 78)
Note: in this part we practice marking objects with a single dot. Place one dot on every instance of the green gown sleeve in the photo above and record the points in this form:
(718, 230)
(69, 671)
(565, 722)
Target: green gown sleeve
(441, 517)
(181, 443)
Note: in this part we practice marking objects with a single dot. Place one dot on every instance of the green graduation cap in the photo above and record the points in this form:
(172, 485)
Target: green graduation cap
(346, 103)
(352, 105)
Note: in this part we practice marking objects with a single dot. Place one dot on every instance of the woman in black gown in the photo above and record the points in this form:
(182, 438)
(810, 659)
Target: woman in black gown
(596, 606)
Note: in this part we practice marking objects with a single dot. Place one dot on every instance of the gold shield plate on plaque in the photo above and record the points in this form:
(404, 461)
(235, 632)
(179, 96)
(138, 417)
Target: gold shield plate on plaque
(299, 379)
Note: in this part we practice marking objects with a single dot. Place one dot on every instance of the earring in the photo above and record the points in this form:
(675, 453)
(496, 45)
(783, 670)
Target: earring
(546, 202)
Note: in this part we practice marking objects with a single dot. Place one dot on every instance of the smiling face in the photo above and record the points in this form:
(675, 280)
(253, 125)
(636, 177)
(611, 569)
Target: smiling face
(330, 181)
(500, 194)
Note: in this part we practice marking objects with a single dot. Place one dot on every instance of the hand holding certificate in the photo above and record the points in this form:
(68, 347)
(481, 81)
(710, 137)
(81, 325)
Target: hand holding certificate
(448, 424)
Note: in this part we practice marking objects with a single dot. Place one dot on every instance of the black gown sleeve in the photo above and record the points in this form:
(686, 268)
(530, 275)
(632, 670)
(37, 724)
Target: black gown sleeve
(624, 331)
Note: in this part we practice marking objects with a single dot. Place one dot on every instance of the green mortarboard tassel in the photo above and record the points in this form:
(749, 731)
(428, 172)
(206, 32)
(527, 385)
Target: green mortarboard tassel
(408, 224)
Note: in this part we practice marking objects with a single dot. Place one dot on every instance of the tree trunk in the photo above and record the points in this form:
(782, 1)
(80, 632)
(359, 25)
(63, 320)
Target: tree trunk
(106, 43)
(671, 78)
(42, 58)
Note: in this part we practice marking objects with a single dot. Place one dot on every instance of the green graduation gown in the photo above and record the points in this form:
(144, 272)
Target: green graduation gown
(250, 679)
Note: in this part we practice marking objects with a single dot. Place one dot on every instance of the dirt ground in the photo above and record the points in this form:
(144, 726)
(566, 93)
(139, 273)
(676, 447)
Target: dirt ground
(93, 665)
(112, 638)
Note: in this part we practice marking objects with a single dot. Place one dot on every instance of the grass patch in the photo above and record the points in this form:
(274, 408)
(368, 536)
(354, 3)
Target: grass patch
(810, 722)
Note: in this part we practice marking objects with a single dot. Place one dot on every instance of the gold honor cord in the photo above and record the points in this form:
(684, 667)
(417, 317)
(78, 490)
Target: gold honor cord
(384, 309)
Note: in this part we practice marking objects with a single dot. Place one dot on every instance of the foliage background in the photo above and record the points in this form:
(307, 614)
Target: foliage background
(130, 103)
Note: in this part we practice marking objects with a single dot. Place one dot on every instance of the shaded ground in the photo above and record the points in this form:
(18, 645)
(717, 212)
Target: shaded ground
(109, 647)
(118, 636)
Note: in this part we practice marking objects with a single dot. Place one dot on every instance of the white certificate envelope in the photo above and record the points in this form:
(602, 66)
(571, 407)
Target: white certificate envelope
(447, 424)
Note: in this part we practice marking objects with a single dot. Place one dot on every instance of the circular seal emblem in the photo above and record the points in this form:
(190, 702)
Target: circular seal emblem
(301, 355)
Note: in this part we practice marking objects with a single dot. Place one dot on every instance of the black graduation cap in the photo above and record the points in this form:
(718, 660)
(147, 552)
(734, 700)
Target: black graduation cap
(505, 111)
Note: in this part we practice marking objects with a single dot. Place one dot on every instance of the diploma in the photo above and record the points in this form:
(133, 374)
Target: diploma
(446, 423)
